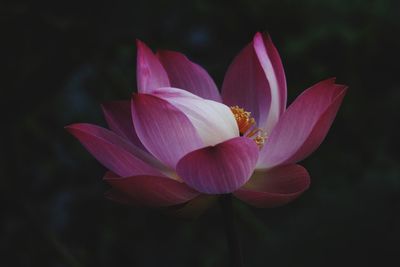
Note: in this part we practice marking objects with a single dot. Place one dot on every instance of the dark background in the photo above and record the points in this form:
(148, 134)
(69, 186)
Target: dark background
(64, 59)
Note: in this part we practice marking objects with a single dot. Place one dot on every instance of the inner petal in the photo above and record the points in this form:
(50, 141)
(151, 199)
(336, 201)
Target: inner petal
(214, 121)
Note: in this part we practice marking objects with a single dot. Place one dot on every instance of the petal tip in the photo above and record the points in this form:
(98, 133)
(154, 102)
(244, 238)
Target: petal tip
(140, 43)
(75, 127)
(257, 35)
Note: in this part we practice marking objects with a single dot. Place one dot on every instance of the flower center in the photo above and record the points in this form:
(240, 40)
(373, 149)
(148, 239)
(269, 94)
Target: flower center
(247, 126)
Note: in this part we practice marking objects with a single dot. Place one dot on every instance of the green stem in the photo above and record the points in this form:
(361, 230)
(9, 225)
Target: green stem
(236, 259)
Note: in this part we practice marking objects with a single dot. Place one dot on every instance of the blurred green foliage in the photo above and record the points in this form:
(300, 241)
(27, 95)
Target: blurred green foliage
(66, 58)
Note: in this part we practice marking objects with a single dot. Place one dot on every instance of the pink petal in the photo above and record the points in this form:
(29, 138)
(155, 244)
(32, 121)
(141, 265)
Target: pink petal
(164, 130)
(214, 121)
(149, 190)
(303, 127)
(119, 119)
(256, 82)
(150, 74)
(271, 63)
(275, 187)
(219, 169)
(114, 152)
(245, 85)
(187, 75)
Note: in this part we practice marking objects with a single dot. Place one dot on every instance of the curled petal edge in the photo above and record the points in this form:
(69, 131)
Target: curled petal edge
(275, 187)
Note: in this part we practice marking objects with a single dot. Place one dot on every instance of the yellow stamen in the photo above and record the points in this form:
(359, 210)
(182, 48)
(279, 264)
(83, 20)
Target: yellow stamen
(246, 124)
(260, 140)
(243, 119)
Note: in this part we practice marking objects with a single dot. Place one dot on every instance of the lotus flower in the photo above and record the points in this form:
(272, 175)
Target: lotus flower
(179, 138)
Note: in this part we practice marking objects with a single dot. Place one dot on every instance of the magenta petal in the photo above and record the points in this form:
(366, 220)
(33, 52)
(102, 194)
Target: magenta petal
(150, 74)
(219, 169)
(271, 63)
(148, 190)
(164, 130)
(304, 125)
(245, 85)
(256, 82)
(114, 152)
(279, 71)
(119, 119)
(275, 187)
(189, 76)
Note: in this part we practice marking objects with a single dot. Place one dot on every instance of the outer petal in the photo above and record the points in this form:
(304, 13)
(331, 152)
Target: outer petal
(187, 75)
(150, 74)
(213, 121)
(164, 130)
(275, 187)
(272, 65)
(245, 85)
(149, 190)
(119, 119)
(219, 169)
(304, 125)
(114, 152)
(256, 82)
